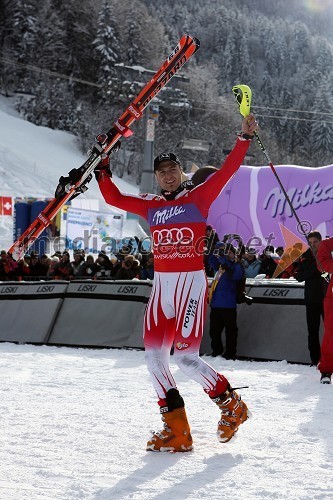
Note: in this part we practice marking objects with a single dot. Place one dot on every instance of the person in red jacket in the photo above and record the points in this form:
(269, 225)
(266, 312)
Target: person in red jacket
(176, 309)
(325, 366)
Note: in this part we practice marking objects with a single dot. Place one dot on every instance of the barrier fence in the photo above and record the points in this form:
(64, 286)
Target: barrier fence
(110, 314)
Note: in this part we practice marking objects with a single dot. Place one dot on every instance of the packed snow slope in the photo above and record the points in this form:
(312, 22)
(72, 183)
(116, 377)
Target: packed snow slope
(74, 424)
(32, 159)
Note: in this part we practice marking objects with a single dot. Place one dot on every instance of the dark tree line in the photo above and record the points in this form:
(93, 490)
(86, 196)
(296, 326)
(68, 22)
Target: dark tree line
(68, 64)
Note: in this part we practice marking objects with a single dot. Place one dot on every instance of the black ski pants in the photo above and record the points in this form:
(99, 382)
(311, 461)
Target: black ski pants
(223, 318)
(314, 311)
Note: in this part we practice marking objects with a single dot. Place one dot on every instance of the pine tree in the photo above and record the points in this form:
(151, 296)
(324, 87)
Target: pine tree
(220, 33)
(24, 29)
(53, 105)
(276, 50)
(245, 61)
(227, 64)
(49, 45)
(132, 36)
(305, 80)
(80, 21)
(7, 75)
(108, 51)
(323, 56)
(133, 53)
(300, 45)
(321, 135)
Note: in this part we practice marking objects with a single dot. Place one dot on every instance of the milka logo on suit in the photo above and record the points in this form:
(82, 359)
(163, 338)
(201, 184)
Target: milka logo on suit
(161, 216)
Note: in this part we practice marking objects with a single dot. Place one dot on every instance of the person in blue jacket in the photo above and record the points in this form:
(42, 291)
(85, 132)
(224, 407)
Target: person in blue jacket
(251, 264)
(223, 300)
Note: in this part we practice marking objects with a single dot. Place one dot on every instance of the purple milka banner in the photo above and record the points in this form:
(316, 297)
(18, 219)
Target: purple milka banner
(253, 205)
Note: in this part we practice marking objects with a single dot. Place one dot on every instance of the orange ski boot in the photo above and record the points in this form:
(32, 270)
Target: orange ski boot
(233, 413)
(176, 435)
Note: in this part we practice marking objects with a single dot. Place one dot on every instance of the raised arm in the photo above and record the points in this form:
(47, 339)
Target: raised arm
(111, 194)
(211, 188)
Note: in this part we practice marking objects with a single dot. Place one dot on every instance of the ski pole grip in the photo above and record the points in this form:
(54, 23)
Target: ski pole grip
(243, 95)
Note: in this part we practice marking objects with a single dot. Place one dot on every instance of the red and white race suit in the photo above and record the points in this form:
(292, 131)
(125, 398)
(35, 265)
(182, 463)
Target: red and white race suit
(176, 310)
(325, 257)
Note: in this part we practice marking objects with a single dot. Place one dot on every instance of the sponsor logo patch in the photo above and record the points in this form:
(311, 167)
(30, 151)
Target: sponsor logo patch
(182, 345)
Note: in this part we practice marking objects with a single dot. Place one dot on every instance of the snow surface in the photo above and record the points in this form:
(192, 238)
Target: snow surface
(74, 424)
(32, 158)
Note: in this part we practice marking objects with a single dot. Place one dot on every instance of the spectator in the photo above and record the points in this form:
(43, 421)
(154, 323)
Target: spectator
(53, 262)
(37, 269)
(57, 254)
(147, 272)
(78, 262)
(211, 240)
(251, 263)
(125, 250)
(9, 269)
(279, 251)
(64, 269)
(45, 261)
(116, 265)
(268, 262)
(285, 265)
(24, 266)
(130, 268)
(139, 257)
(88, 268)
(314, 293)
(289, 263)
(223, 300)
(103, 266)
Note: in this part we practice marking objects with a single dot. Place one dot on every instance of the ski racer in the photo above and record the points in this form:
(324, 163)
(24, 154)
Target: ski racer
(176, 309)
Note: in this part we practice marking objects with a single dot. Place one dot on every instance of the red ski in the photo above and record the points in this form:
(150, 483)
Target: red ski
(185, 48)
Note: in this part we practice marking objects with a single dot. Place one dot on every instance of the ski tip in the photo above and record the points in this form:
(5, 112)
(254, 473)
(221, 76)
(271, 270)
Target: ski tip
(195, 40)
(197, 43)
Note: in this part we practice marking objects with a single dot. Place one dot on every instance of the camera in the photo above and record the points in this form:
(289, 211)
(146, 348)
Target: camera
(242, 298)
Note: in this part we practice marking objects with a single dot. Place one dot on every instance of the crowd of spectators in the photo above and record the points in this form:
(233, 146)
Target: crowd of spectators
(127, 264)
(60, 266)
(270, 263)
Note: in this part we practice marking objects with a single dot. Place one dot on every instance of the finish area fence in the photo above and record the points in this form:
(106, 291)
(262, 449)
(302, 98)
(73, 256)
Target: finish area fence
(110, 314)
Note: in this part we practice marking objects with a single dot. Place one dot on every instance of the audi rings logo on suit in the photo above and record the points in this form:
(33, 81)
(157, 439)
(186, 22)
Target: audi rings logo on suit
(173, 236)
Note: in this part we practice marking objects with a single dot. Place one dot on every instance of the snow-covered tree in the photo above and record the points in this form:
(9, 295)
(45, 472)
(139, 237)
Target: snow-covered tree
(133, 53)
(321, 135)
(24, 23)
(245, 64)
(108, 52)
(50, 49)
(272, 46)
(53, 105)
(80, 21)
(323, 56)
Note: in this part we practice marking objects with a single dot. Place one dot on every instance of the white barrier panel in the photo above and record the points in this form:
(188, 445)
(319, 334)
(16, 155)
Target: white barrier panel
(110, 314)
(274, 326)
(102, 313)
(28, 310)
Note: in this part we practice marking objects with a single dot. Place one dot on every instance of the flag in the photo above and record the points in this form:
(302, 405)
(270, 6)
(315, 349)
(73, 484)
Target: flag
(294, 247)
(6, 206)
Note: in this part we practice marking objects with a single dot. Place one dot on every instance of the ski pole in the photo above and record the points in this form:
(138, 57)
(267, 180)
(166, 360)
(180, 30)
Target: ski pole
(243, 95)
